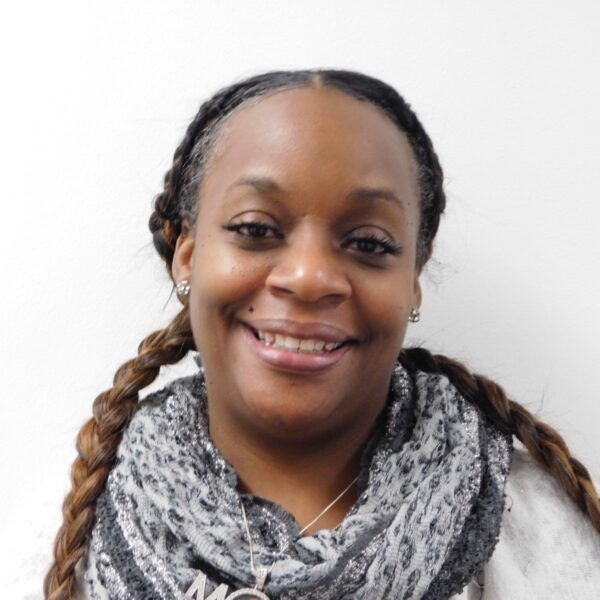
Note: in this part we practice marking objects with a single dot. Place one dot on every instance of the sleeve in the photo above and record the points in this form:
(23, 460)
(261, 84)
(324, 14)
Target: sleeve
(547, 547)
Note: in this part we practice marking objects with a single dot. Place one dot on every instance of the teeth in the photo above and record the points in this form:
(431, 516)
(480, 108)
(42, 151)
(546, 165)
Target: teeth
(291, 343)
(308, 345)
(295, 344)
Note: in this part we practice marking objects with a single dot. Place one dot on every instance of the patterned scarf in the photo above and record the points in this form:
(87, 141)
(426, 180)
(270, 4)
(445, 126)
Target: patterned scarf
(431, 498)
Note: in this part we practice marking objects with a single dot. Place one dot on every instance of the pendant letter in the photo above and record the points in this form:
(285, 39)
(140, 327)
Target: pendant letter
(200, 584)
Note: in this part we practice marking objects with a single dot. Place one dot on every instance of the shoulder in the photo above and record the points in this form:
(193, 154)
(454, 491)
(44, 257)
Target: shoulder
(165, 409)
(27, 555)
(547, 547)
(181, 387)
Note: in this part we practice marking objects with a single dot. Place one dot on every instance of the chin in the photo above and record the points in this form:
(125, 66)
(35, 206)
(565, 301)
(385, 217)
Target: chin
(292, 417)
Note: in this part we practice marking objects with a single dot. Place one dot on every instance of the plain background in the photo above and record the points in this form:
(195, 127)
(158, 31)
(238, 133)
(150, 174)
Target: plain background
(98, 94)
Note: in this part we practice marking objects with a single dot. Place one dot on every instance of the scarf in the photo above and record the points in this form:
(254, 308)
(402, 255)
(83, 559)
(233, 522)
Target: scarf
(430, 501)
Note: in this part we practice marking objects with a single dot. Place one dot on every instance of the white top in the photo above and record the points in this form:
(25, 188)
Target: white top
(547, 548)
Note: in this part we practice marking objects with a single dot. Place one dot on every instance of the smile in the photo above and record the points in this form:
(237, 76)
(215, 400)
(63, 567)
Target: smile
(294, 354)
(296, 345)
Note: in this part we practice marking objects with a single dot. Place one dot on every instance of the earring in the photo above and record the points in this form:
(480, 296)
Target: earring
(415, 315)
(183, 290)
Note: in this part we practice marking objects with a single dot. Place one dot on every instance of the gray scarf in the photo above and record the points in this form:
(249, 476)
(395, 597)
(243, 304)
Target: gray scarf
(431, 497)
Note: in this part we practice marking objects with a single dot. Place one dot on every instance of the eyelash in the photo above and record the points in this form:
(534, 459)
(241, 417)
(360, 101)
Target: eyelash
(388, 246)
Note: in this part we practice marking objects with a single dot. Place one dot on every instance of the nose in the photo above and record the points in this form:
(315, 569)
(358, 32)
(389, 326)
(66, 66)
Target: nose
(310, 269)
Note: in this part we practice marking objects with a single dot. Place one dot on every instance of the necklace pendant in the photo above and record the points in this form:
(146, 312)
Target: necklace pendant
(248, 594)
(197, 590)
(256, 593)
(261, 575)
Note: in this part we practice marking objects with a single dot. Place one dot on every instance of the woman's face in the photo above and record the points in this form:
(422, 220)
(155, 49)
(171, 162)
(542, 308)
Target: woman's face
(329, 184)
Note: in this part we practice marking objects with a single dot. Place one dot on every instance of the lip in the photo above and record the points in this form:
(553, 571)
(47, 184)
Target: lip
(300, 362)
(315, 330)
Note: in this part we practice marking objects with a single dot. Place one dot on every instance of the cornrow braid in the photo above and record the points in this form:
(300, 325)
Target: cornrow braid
(165, 221)
(544, 443)
(179, 198)
(97, 444)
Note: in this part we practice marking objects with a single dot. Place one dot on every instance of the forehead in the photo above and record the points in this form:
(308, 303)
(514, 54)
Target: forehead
(313, 138)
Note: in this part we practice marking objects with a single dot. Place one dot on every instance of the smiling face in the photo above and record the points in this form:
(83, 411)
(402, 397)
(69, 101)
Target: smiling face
(308, 213)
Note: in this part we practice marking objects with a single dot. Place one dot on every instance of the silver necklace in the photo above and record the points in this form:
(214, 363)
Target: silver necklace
(261, 573)
(198, 587)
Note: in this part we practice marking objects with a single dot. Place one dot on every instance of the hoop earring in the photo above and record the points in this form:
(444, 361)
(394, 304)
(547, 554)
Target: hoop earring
(415, 315)
(183, 290)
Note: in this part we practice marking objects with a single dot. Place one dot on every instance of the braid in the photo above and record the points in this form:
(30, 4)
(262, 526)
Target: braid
(171, 204)
(181, 182)
(97, 444)
(544, 443)
(165, 221)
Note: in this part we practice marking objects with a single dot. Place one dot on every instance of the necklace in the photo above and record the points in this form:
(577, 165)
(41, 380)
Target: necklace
(261, 573)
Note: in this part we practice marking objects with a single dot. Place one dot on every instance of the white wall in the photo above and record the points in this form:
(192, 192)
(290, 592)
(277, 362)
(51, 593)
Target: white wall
(98, 95)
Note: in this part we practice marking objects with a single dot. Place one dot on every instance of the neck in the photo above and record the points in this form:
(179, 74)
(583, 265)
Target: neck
(301, 477)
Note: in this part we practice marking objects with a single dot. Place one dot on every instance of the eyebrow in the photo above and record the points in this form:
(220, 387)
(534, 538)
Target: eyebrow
(268, 186)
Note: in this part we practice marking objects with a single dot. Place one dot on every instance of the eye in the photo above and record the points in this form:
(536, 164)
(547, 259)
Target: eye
(371, 244)
(368, 244)
(255, 230)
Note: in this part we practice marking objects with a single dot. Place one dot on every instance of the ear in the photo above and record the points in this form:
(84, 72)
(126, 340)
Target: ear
(418, 297)
(183, 258)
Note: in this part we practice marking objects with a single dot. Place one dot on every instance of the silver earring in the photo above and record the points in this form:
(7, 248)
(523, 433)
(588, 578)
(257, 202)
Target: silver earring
(183, 290)
(415, 315)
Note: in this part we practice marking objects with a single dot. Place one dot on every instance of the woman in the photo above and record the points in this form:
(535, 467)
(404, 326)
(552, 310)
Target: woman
(311, 455)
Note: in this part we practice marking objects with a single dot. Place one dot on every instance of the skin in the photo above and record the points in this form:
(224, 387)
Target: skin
(293, 438)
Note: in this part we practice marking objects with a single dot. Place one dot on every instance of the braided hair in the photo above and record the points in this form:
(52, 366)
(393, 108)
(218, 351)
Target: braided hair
(99, 438)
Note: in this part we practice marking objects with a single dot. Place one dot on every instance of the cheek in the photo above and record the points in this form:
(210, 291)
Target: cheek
(224, 278)
(385, 304)
(223, 287)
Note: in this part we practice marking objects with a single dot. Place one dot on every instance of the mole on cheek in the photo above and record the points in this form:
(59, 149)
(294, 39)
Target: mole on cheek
(250, 309)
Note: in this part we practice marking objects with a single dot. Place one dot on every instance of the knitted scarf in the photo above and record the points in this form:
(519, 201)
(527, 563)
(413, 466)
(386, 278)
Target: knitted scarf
(427, 519)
